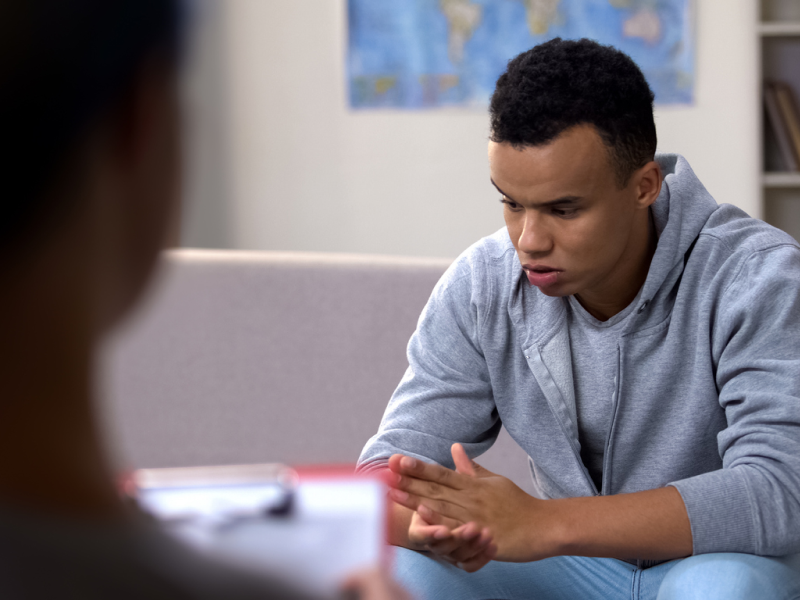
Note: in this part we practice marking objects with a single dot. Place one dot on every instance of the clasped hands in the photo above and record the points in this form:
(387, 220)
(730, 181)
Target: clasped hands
(468, 516)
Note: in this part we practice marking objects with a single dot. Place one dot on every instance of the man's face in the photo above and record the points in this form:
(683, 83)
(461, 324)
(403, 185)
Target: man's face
(569, 221)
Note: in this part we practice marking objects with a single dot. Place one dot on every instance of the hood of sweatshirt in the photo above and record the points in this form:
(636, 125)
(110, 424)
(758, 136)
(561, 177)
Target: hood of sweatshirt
(677, 224)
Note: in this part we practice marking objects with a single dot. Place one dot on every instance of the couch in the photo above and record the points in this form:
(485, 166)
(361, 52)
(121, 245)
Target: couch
(242, 357)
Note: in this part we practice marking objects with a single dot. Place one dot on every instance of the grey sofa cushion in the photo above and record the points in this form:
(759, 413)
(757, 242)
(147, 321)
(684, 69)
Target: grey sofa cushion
(240, 357)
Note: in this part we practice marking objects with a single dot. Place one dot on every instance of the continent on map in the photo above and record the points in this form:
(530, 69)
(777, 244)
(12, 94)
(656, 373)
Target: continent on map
(370, 89)
(463, 17)
(433, 86)
(541, 15)
(644, 24)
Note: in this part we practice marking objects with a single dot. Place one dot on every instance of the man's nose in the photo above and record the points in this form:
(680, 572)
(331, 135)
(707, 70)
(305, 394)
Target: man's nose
(535, 238)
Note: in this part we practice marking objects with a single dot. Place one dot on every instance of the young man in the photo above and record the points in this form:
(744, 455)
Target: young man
(90, 174)
(639, 341)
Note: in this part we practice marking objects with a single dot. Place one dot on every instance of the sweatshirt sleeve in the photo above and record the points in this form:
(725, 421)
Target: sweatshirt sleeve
(752, 504)
(445, 395)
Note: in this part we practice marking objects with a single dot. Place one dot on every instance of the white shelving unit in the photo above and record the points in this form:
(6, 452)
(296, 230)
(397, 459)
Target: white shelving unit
(773, 29)
(779, 43)
(780, 179)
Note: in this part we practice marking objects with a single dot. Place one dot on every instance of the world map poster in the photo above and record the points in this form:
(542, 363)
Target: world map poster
(418, 54)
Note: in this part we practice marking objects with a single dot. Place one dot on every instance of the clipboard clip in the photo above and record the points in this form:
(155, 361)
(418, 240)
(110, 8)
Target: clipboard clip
(216, 497)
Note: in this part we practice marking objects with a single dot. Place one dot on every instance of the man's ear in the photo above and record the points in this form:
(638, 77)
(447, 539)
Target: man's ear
(648, 181)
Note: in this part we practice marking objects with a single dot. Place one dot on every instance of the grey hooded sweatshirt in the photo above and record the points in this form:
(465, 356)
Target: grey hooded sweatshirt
(708, 374)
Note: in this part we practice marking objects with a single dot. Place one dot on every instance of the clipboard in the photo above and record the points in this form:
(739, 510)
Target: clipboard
(311, 526)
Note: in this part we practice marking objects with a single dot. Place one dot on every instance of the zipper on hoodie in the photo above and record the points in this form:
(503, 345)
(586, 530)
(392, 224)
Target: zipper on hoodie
(614, 406)
(575, 452)
(579, 460)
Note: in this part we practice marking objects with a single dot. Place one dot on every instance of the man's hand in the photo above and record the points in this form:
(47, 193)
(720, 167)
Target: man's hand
(651, 524)
(469, 500)
(466, 546)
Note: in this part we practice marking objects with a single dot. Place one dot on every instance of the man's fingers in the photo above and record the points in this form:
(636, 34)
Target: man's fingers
(470, 550)
(430, 529)
(434, 518)
(473, 547)
(404, 499)
(463, 462)
(480, 560)
(406, 465)
(468, 547)
(421, 533)
(449, 544)
(443, 508)
(469, 530)
(444, 548)
(424, 535)
(425, 489)
(473, 553)
(467, 466)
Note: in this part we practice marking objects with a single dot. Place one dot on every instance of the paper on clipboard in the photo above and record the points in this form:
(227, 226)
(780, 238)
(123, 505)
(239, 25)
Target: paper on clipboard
(311, 526)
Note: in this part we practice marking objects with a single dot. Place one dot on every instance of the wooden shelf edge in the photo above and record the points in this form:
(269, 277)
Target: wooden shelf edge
(779, 28)
(781, 179)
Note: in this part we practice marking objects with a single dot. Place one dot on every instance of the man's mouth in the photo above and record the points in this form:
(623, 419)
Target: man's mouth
(541, 275)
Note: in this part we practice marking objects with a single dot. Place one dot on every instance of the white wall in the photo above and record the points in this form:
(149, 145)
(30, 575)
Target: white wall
(720, 134)
(303, 172)
(207, 215)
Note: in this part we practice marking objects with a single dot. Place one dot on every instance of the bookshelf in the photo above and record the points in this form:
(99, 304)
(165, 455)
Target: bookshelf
(779, 42)
(773, 29)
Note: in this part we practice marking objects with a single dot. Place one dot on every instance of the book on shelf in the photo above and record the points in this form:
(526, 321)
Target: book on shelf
(785, 121)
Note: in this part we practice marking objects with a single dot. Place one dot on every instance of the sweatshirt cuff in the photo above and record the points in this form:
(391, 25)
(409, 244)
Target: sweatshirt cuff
(719, 510)
(373, 466)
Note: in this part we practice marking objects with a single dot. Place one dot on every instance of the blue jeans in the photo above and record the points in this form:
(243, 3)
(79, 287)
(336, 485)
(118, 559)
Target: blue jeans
(704, 577)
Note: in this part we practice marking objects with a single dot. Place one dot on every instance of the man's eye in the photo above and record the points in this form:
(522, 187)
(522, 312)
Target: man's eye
(509, 203)
(565, 212)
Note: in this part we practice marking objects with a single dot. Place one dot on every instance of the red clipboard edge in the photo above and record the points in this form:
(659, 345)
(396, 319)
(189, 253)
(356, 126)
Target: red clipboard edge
(348, 471)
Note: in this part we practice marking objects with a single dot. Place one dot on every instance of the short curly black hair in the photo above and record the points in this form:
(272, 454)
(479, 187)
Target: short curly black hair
(562, 83)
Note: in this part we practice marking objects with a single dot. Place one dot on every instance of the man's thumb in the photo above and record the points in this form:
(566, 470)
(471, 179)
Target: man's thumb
(463, 462)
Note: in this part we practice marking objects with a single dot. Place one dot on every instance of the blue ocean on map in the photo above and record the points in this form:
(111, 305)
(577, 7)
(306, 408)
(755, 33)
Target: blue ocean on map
(418, 54)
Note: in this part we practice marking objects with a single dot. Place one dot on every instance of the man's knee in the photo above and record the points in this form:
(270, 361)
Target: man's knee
(427, 577)
(721, 576)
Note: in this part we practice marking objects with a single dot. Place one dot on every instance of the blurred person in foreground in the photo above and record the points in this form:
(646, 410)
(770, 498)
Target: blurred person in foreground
(90, 173)
(639, 341)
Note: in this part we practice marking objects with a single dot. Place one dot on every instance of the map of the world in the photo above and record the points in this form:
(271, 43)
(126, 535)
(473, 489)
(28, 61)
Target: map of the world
(420, 54)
